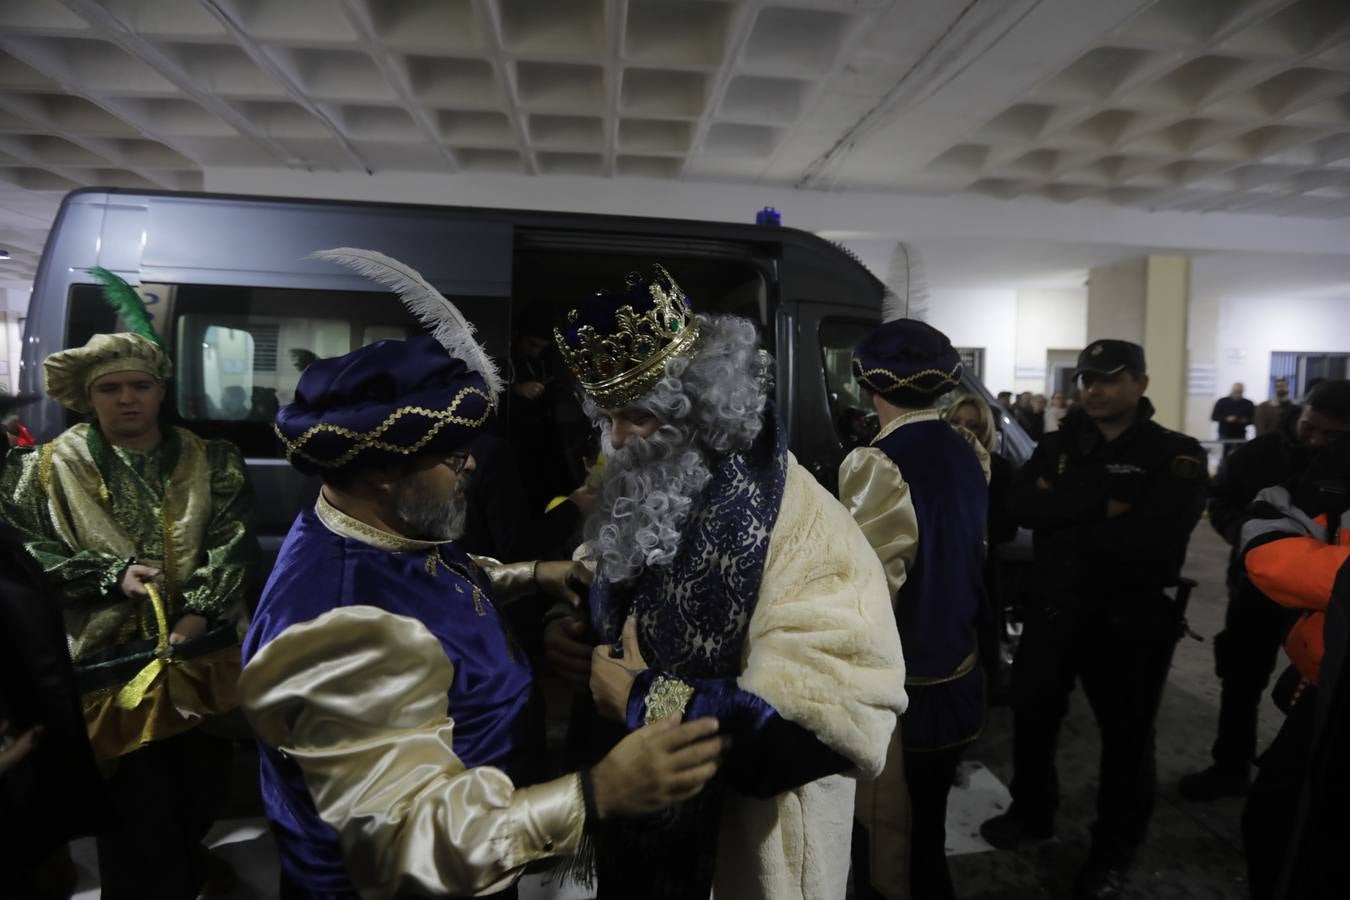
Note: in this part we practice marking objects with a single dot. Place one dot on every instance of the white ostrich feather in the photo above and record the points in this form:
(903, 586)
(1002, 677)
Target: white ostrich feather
(906, 288)
(446, 323)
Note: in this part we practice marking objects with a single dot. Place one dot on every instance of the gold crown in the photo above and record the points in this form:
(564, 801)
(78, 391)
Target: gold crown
(616, 369)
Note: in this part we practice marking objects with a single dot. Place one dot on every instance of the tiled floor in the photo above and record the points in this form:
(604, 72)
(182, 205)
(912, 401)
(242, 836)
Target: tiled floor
(1193, 851)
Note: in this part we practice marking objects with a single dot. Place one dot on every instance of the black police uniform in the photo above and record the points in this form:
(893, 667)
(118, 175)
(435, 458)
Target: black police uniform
(1101, 613)
(1246, 650)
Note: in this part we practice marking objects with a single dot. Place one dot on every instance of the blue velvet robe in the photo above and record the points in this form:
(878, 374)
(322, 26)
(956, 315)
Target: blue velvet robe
(491, 700)
(943, 592)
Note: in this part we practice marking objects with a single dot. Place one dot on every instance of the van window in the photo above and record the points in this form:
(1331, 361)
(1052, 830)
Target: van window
(238, 352)
(855, 421)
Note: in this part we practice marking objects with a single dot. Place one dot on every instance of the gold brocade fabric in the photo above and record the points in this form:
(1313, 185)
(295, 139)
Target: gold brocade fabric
(183, 694)
(69, 373)
(87, 510)
(357, 698)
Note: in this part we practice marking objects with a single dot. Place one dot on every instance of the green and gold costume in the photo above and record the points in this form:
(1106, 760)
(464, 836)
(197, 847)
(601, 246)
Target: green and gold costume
(87, 510)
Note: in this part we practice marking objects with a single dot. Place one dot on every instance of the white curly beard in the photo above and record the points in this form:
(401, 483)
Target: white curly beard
(646, 496)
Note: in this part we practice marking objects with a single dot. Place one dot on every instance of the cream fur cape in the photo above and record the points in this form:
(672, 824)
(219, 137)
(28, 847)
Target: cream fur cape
(823, 648)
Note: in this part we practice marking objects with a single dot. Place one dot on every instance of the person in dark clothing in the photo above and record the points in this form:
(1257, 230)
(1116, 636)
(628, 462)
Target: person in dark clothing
(1315, 865)
(1296, 547)
(1233, 413)
(499, 523)
(1112, 498)
(1031, 419)
(1254, 626)
(538, 394)
(1272, 415)
(50, 788)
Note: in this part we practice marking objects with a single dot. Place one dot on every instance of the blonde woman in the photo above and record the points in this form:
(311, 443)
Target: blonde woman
(971, 414)
(974, 415)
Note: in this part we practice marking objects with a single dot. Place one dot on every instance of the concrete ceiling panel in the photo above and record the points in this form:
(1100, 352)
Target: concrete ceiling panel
(691, 33)
(1161, 104)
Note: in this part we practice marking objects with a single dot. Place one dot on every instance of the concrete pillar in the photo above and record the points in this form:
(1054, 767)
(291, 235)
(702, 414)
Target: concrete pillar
(1116, 301)
(1145, 300)
(1165, 315)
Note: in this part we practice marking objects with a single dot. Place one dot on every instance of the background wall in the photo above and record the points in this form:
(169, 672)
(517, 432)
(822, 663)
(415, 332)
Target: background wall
(1255, 304)
(13, 301)
(981, 318)
(1001, 298)
(1046, 320)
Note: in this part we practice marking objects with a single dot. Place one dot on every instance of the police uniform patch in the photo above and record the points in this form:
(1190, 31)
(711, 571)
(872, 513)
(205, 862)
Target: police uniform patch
(1187, 468)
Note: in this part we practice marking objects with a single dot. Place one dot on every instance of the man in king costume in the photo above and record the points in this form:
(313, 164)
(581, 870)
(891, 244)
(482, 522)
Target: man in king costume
(375, 629)
(729, 584)
(144, 532)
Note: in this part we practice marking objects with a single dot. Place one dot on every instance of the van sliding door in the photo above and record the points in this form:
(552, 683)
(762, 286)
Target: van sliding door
(832, 417)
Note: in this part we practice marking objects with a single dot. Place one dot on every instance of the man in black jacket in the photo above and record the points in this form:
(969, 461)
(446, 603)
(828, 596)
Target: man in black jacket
(1112, 498)
(1246, 650)
(1233, 413)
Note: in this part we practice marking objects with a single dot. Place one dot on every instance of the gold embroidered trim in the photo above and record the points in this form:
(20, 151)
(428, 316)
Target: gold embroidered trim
(665, 698)
(343, 525)
(371, 439)
(918, 415)
(166, 524)
(952, 377)
(962, 670)
(480, 601)
(45, 466)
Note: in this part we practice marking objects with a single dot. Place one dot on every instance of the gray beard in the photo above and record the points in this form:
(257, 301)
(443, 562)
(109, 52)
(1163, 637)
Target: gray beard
(429, 521)
(646, 497)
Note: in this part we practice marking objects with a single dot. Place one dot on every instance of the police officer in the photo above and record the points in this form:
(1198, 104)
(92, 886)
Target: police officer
(1112, 498)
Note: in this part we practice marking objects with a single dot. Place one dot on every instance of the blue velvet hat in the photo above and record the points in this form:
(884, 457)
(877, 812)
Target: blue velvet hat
(381, 404)
(908, 362)
(617, 342)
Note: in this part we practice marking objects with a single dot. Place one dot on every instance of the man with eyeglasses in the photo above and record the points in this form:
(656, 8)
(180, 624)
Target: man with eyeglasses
(399, 735)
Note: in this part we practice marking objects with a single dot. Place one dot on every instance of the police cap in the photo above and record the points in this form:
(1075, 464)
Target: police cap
(1107, 357)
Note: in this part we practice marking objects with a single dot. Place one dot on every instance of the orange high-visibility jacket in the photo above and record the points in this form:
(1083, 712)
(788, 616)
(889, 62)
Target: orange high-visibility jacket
(1294, 559)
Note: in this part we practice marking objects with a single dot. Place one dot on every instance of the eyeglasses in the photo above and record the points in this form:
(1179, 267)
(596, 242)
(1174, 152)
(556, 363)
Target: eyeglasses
(457, 462)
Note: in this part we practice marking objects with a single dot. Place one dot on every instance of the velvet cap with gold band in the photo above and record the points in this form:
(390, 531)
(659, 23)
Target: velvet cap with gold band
(908, 362)
(617, 343)
(382, 404)
(391, 400)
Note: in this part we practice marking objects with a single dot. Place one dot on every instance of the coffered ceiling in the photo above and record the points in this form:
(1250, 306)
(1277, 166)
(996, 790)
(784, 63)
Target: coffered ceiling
(1236, 105)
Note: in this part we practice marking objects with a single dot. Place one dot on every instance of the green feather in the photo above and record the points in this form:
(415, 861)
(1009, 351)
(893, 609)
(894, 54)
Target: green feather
(128, 304)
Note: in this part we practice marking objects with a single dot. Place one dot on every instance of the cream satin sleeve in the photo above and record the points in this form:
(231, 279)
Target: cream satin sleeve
(509, 580)
(875, 493)
(357, 698)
